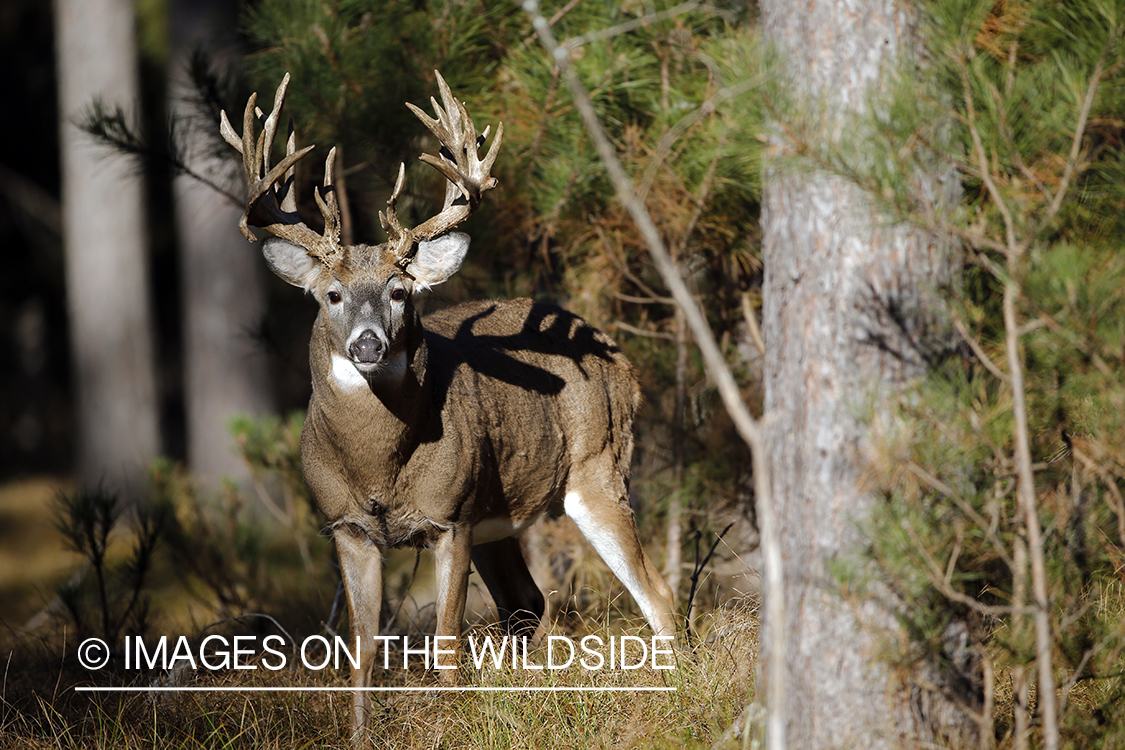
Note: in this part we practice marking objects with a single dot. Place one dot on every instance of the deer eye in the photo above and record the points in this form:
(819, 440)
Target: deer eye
(398, 294)
(334, 297)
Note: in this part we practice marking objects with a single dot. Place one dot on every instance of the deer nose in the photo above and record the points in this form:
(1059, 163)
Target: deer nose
(367, 349)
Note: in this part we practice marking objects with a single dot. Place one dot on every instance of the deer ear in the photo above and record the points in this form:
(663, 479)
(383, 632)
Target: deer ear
(437, 260)
(290, 261)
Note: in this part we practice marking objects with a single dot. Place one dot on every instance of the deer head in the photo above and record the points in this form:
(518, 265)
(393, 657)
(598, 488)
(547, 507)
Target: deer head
(364, 291)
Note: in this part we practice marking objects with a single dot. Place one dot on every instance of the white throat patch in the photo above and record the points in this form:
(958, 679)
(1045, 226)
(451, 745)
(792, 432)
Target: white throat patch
(348, 378)
(344, 374)
(391, 372)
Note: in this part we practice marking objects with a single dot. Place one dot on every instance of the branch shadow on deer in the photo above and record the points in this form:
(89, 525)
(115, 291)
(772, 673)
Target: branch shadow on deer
(498, 357)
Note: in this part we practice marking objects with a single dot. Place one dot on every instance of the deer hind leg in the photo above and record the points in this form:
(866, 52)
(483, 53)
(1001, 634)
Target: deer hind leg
(361, 567)
(518, 599)
(602, 513)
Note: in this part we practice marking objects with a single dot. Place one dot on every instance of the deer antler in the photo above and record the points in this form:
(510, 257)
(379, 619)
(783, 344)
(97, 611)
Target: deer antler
(270, 201)
(467, 174)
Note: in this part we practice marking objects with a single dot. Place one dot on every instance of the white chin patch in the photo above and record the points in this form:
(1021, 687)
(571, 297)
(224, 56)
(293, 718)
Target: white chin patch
(344, 374)
(348, 377)
(391, 372)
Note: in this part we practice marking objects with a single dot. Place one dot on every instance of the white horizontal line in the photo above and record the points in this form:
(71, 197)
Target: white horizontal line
(92, 689)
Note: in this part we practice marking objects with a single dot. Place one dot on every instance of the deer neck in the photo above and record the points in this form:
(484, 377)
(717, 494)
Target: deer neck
(381, 414)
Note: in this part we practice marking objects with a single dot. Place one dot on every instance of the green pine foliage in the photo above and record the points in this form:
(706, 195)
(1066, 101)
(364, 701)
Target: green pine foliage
(113, 600)
(1027, 107)
(675, 97)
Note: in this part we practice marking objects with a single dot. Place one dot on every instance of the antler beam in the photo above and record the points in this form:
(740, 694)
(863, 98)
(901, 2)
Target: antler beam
(270, 201)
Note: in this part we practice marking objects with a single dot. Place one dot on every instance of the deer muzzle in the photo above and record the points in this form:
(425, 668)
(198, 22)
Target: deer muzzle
(367, 349)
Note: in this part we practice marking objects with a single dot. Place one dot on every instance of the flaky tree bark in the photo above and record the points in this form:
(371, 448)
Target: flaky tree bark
(106, 252)
(222, 287)
(848, 296)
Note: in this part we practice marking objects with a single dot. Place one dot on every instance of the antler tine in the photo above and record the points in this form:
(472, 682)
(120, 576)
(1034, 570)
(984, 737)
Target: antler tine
(227, 130)
(270, 201)
(269, 127)
(285, 190)
(328, 202)
(454, 110)
(389, 221)
(493, 151)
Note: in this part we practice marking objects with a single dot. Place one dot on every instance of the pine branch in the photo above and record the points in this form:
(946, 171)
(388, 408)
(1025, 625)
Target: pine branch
(1076, 142)
(111, 128)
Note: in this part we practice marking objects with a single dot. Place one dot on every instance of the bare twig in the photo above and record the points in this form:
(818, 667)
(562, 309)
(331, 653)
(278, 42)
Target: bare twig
(1079, 133)
(987, 730)
(752, 324)
(983, 165)
(965, 507)
(979, 351)
(554, 19)
(644, 300)
(347, 231)
(1025, 483)
(698, 568)
(704, 110)
(1025, 492)
(624, 28)
(623, 266)
(939, 581)
(620, 325)
(700, 200)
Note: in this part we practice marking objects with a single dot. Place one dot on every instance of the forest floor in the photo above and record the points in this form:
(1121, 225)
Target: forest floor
(34, 560)
(275, 694)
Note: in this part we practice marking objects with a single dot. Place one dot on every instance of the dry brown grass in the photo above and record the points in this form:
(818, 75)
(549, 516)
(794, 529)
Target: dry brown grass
(41, 709)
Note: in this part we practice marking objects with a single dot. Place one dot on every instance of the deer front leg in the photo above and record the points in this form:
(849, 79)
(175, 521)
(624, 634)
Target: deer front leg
(361, 567)
(452, 552)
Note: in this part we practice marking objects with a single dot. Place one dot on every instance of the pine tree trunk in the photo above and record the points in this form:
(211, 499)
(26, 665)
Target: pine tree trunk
(108, 300)
(845, 293)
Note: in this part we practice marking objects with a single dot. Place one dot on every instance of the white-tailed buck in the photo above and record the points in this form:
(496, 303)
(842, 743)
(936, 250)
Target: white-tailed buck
(457, 431)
